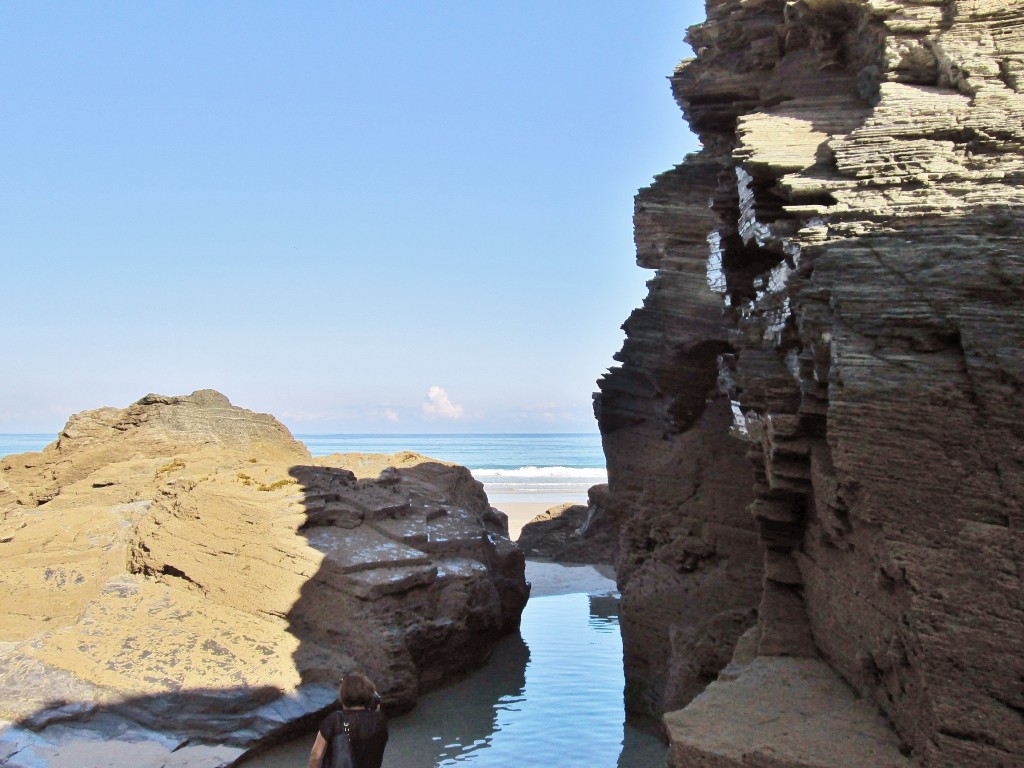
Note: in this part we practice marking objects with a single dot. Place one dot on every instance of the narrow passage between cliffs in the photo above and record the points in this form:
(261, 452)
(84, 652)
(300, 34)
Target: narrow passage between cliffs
(551, 695)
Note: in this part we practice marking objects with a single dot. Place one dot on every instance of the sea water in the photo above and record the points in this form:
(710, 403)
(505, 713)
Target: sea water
(550, 468)
(550, 695)
(23, 443)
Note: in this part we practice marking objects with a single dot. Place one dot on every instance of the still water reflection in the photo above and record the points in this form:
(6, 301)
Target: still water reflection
(551, 696)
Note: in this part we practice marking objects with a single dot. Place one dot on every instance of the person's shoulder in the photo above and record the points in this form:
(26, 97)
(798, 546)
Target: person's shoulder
(363, 715)
(380, 722)
(332, 725)
(366, 722)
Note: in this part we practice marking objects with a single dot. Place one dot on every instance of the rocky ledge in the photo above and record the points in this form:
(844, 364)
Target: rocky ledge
(815, 429)
(183, 581)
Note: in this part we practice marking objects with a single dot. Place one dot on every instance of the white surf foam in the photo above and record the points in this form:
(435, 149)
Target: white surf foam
(542, 472)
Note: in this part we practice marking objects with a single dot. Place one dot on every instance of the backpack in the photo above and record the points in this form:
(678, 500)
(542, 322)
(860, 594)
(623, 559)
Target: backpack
(341, 749)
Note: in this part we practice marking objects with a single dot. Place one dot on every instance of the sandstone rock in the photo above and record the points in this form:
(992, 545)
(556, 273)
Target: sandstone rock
(182, 572)
(860, 191)
(674, 472)
(784, 713)
(574, 533)
(549, 533)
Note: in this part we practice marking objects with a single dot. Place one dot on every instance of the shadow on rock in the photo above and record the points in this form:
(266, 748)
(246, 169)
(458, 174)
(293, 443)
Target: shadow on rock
(418, 578)
(212, 597)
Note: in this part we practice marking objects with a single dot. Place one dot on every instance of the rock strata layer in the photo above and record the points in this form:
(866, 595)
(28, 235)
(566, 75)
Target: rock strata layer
(182, 577)
(839, 285)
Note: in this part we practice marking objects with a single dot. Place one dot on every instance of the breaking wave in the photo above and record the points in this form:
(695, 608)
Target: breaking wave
(542, 472)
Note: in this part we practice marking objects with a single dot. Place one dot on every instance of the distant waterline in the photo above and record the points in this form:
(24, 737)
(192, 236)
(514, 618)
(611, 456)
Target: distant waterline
(543, 468)
(550, 468)
(24, 442)
(476, 451)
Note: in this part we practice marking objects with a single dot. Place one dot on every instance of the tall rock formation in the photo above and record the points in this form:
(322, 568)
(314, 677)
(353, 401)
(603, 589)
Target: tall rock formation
(182, 581)
(839, 274)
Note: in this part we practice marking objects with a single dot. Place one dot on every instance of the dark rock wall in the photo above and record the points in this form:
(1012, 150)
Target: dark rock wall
(843, 262)
(688, 565)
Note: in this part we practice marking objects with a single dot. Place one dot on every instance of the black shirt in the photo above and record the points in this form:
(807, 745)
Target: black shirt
(368, 734)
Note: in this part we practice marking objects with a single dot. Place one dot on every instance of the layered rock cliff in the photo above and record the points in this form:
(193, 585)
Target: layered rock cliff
(182, 576)
(838, 297)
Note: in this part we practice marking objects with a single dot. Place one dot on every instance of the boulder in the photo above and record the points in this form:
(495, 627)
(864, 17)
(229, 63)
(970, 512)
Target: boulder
(785, 713)
(183, 573)
(550, 533)
(574, 533)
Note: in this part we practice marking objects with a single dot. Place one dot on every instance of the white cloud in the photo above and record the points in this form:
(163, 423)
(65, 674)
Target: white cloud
(388, 414)
(439, 406)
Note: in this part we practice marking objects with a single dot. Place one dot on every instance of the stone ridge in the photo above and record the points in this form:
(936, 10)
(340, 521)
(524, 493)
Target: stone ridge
(155, 424)
(782, 712)
(182, 573)
(860, 190)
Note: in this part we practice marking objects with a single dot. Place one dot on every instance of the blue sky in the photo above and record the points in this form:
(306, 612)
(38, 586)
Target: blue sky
(360, 217)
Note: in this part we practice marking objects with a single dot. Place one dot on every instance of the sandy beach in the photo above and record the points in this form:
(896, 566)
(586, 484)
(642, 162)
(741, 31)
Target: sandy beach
(521, 512)
(547, 579)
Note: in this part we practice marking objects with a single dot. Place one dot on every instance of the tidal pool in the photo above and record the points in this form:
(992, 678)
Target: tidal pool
(549, 697)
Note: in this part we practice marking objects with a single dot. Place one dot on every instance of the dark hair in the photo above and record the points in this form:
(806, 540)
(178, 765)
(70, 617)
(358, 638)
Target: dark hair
(356, 690)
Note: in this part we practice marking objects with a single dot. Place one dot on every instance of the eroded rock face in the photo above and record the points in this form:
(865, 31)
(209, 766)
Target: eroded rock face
(549, 534)
(184, 571)
(574, 533)
(679, 485)
(863, 208)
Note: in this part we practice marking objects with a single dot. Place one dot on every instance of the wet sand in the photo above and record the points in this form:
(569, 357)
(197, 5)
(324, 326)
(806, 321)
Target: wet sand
(547, 579)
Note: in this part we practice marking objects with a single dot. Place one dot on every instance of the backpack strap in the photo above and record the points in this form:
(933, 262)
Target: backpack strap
(341, 746)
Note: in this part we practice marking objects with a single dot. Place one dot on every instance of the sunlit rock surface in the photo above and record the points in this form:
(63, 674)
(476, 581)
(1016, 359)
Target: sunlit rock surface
(840, 267)
(785, 713)
(183, 572)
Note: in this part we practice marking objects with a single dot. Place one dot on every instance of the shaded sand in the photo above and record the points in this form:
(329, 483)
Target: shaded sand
(549, 579)
(521, 512)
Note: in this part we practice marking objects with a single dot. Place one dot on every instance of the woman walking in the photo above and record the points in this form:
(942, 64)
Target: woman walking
(360, 717)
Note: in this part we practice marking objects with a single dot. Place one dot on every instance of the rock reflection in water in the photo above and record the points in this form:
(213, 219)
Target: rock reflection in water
(604, 613)
(567, 710)
(449, 726)
(549, 697)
